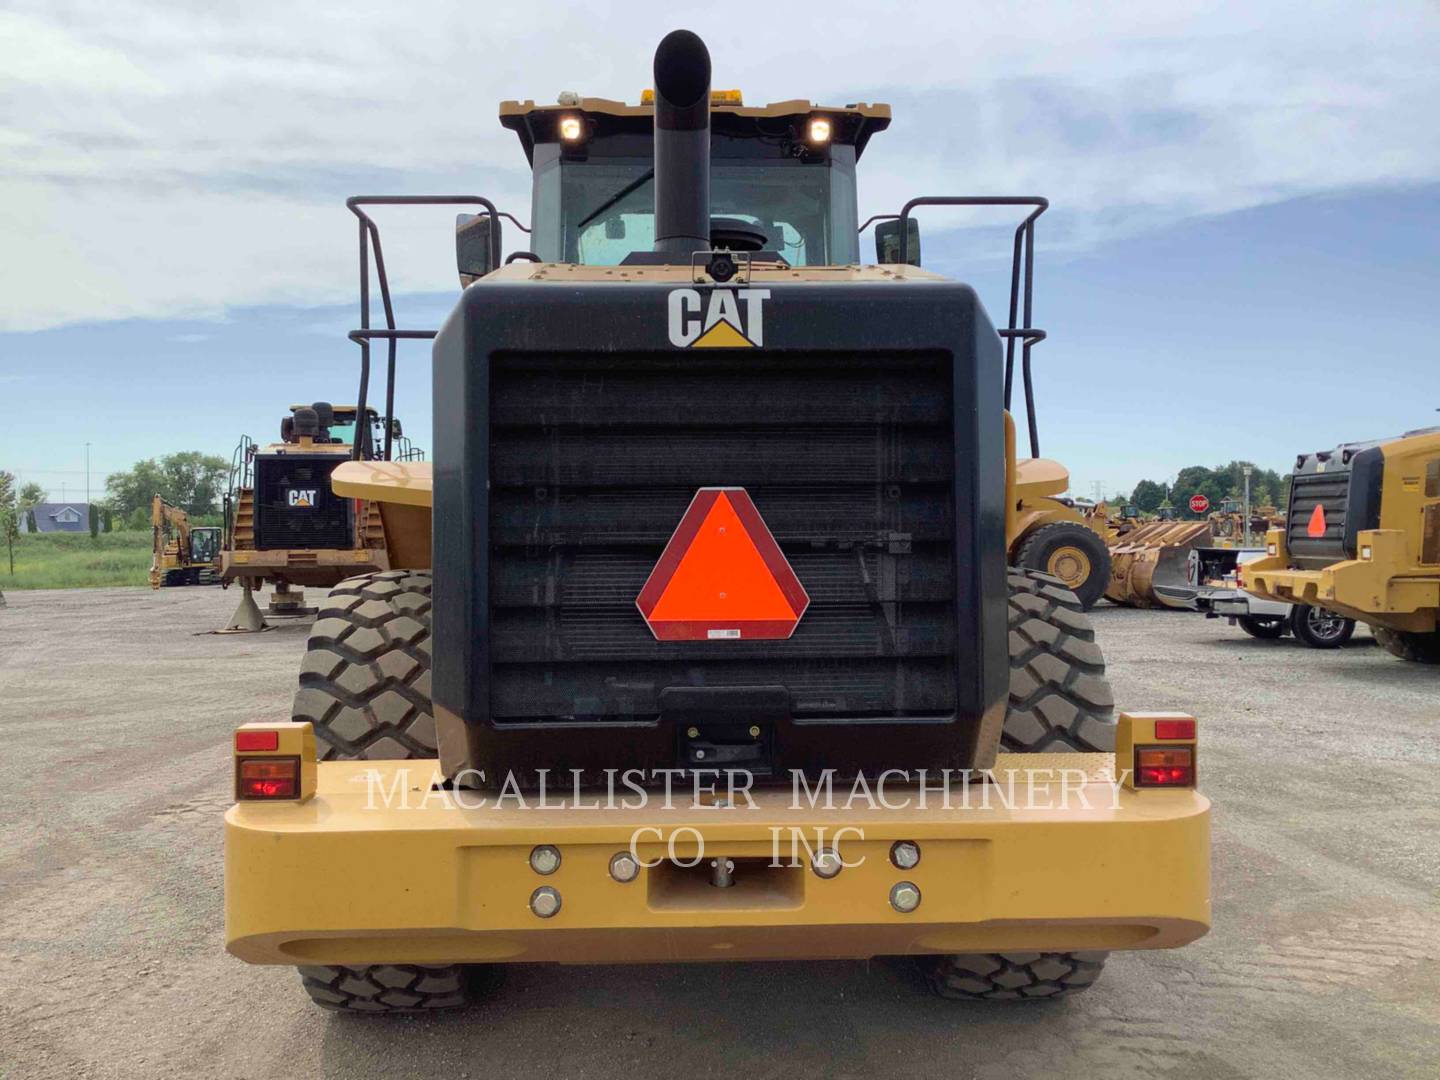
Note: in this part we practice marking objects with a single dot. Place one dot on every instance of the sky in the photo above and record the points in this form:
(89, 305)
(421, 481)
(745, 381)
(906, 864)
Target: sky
(1241, 259)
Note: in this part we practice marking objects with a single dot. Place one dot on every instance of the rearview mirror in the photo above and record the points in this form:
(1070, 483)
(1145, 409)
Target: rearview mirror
(472, 247)
(887, 241)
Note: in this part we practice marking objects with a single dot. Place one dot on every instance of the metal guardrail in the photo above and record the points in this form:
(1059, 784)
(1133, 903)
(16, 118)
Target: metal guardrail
(370, 238)
(1022, 279)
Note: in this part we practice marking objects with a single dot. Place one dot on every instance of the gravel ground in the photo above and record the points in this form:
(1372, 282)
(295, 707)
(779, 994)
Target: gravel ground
(115, 714)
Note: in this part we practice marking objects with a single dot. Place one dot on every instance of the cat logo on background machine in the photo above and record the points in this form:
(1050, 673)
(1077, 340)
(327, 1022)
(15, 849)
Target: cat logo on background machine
(301, 497)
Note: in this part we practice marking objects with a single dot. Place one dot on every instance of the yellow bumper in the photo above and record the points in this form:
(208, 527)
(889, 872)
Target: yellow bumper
(1368, 589)
(377, 867)
(300, 566)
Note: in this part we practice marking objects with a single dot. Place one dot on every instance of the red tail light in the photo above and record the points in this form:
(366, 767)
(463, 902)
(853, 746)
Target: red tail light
(1175, 729)
(268, 778)
(1164, 766)
(256, 741)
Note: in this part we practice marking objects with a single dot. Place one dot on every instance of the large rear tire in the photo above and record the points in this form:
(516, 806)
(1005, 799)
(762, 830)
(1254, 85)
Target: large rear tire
(1059, 697)
(1071, 552)
(1418, 648)
(1318, 628)
(1015, 976)
(365, 681)
(1059, 700)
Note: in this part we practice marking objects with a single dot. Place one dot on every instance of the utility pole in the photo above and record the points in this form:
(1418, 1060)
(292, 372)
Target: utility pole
(1246, 469)
(87, 482)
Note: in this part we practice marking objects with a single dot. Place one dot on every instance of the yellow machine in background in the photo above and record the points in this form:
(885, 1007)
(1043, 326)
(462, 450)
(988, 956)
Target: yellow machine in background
(1362, 539)
(285, 525)
(1157, 564)
(1050, 534)
(181, 553)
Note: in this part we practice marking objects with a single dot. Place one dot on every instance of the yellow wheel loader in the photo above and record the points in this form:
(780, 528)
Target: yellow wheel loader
(1362, 539)
(1050, 535)
(699, 641)
(181, 553)
(285, 525)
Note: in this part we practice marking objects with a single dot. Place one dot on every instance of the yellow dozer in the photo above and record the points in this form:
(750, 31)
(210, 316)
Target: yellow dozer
(1362, 539)
(704, 608)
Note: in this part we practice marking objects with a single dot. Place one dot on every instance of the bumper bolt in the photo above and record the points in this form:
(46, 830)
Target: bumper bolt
(905, 854)
(826, 863)
(905, 897)
(545, 859)
(623, 867)
(545, 901)
(754, 731)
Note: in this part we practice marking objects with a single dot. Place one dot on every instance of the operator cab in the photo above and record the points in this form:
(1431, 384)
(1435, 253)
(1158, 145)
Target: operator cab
(335, 425)
(782, 177)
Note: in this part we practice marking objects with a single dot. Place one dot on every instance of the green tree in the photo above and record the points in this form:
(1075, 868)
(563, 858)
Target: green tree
(108, 517)
(189, 479)
(9, 514)
(94, 521)
(1148, 495)
(32, 494)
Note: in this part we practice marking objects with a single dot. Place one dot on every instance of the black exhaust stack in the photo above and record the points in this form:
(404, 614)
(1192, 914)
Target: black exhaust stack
(682, 144)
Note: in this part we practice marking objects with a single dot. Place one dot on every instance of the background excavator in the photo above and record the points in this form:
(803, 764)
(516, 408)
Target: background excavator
(181, 553)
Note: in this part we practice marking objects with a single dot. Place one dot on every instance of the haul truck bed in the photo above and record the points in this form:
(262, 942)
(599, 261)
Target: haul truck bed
(379, 867)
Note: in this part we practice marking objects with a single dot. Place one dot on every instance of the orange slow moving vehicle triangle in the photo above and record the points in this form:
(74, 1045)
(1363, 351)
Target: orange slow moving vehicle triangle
(1316, 529)
(722, 576)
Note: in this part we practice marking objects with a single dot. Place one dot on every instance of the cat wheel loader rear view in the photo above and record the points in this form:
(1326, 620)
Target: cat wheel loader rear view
(283, 523)
(1362, 540)
(181, 553)
(700, 642)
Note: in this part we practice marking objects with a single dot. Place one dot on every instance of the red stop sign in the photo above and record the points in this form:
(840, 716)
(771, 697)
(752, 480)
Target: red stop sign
(1199, 503)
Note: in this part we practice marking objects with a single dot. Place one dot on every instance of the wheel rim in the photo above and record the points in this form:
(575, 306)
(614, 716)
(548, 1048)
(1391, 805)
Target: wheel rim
(1325, 624)
(1069, 564)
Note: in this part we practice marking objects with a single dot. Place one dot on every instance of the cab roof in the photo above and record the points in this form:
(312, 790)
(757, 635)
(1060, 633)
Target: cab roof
(338, 410)
(853, 124)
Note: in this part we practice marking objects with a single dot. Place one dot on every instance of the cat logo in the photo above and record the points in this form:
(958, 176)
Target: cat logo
(301, 497)
(715, 321)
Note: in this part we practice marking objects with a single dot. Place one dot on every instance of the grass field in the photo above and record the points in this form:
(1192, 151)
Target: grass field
(74, 560)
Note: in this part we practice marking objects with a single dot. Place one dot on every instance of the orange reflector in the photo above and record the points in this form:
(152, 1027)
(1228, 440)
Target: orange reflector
(268, 778)
(1175, 729)
(1162, 766)
(722, 576)
(1316, 529)
(250, 741)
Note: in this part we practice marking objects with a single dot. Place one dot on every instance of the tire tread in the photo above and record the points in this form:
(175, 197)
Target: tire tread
(1060, 699)
(365, 680)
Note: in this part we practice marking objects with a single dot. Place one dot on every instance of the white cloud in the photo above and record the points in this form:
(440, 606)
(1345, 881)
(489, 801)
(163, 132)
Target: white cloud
(177, 160)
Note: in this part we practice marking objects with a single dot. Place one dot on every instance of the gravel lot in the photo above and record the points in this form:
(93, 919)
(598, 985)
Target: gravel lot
(1324, 960)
